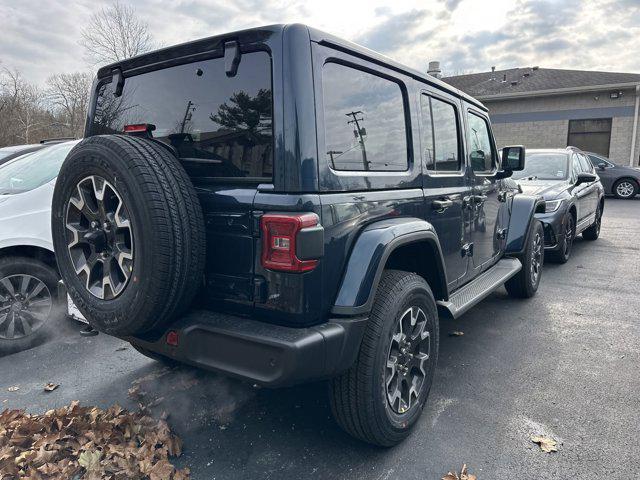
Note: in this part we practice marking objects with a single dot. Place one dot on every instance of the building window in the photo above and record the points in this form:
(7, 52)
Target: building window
(364, 121)
(593, 135)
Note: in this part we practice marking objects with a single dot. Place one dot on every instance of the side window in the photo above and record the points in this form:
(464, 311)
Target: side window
(481, 154)
(575, 167)
(440, 135)
(364, 121)
(585, 164)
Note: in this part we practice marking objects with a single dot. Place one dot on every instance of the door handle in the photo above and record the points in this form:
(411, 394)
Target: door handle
(441, 205)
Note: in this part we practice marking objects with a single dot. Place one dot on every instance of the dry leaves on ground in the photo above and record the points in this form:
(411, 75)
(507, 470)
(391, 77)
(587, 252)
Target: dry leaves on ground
(546, 444)
(464, 475)
(456, 333)
(50, 387)
(13, 389)
(89, 443)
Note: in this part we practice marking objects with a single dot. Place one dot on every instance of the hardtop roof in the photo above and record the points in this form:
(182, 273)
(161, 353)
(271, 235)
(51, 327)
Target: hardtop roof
(255, 34)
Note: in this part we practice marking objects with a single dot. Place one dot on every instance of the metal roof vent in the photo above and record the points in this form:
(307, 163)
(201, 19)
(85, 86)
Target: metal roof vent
(434, 69)
(504, 78)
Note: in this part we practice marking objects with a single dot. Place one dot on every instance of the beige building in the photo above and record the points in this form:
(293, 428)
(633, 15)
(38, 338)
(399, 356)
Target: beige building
(552, 108)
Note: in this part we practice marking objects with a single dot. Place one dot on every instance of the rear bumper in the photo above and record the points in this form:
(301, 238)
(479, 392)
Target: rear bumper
(270, 355)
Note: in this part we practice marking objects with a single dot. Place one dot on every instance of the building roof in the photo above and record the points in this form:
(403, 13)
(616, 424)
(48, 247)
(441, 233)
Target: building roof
(517, 82)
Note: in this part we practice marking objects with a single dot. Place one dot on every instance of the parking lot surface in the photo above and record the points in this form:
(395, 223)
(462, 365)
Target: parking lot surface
(563, 364)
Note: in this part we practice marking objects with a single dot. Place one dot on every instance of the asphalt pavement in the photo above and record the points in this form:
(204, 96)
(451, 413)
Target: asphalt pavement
(563, 364)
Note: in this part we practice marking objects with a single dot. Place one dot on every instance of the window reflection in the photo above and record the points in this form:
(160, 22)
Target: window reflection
(364, 121)
(219, 126)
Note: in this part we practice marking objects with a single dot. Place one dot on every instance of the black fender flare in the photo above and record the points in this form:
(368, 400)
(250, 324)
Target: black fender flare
(369, 256)
(523, 210)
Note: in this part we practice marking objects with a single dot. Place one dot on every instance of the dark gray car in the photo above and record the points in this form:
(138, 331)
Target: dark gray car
(573, 194)
(618, 180)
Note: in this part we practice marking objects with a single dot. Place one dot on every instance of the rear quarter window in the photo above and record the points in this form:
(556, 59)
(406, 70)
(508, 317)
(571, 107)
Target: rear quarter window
(219, 126)
(364, 120)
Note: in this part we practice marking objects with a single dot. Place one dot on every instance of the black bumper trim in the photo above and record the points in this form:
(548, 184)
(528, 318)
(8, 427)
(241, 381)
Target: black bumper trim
(270, 355)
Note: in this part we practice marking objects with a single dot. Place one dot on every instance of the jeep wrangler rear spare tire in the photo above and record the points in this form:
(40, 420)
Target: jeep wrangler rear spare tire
(380, 398)
(128, 233)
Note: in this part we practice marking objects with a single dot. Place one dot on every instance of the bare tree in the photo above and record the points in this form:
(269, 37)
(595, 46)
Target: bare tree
(68, 94)
(115, 33)
(9, 89)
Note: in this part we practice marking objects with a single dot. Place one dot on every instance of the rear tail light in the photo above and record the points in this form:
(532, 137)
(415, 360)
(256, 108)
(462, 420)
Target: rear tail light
(280, 236)
(139, 128)
(172, 338)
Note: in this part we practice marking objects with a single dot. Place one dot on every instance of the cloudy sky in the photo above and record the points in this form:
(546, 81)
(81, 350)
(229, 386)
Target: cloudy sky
(40, 37)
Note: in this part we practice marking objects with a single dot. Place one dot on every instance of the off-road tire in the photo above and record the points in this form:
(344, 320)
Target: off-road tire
(167, 228)
(563, 253)
(358, 397)
(14, 265)
(593, 232)
(523, 284)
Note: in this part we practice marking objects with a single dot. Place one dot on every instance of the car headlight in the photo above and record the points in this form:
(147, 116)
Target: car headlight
(552, 205)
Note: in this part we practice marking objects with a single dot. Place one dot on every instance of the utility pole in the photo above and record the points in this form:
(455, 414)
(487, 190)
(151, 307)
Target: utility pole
(359, 134)
(187, 115)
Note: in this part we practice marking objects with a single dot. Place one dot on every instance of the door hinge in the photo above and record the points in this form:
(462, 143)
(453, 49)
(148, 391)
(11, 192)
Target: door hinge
(467, 250)
(501, 233)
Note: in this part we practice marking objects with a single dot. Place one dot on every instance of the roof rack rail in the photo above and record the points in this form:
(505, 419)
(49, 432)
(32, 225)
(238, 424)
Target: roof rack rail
(57, 140)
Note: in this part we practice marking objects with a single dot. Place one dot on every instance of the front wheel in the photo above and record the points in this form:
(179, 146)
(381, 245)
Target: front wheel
(381, 397)
(564, 251)
(525, 283)
(625, 189)
(593, 232)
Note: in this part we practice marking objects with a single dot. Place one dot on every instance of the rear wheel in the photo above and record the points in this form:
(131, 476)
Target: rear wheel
(525, 283)
(380, 398)
(593, 232)
(128, 233)
(625, 188)
(28, 302)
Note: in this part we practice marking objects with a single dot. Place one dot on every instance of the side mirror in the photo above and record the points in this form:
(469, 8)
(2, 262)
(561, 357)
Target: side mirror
(602, 166)
(513, 158)
(586, 178)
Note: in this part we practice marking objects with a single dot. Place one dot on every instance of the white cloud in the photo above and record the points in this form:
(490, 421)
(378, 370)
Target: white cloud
(40, 37)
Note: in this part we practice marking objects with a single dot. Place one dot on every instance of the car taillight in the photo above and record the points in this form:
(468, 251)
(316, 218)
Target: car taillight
(139, 128)
(280, 234)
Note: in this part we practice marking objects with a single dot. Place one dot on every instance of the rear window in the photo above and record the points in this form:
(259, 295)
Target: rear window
(219, 126)
(365, 127)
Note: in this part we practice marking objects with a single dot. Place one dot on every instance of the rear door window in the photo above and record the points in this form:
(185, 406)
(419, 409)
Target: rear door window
(219, 126)
(364, 120)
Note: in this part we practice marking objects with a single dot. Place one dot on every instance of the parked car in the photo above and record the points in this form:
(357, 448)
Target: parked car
(573, 193)
(9, 153)
(266, 204)
(28, 273)
(618, 180)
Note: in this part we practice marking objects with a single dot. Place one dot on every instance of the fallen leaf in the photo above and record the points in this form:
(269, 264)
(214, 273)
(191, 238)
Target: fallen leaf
(90, 460)
(120, 349)
(50, 387)
(456, 333)
(75, 441)
(13, 389)
(547, 444)
(464, 475)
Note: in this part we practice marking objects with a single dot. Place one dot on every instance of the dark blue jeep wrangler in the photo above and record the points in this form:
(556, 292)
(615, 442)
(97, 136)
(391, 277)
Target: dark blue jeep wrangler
(282, 206)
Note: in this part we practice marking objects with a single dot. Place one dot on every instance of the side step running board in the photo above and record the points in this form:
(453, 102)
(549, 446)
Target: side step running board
(466, 297)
